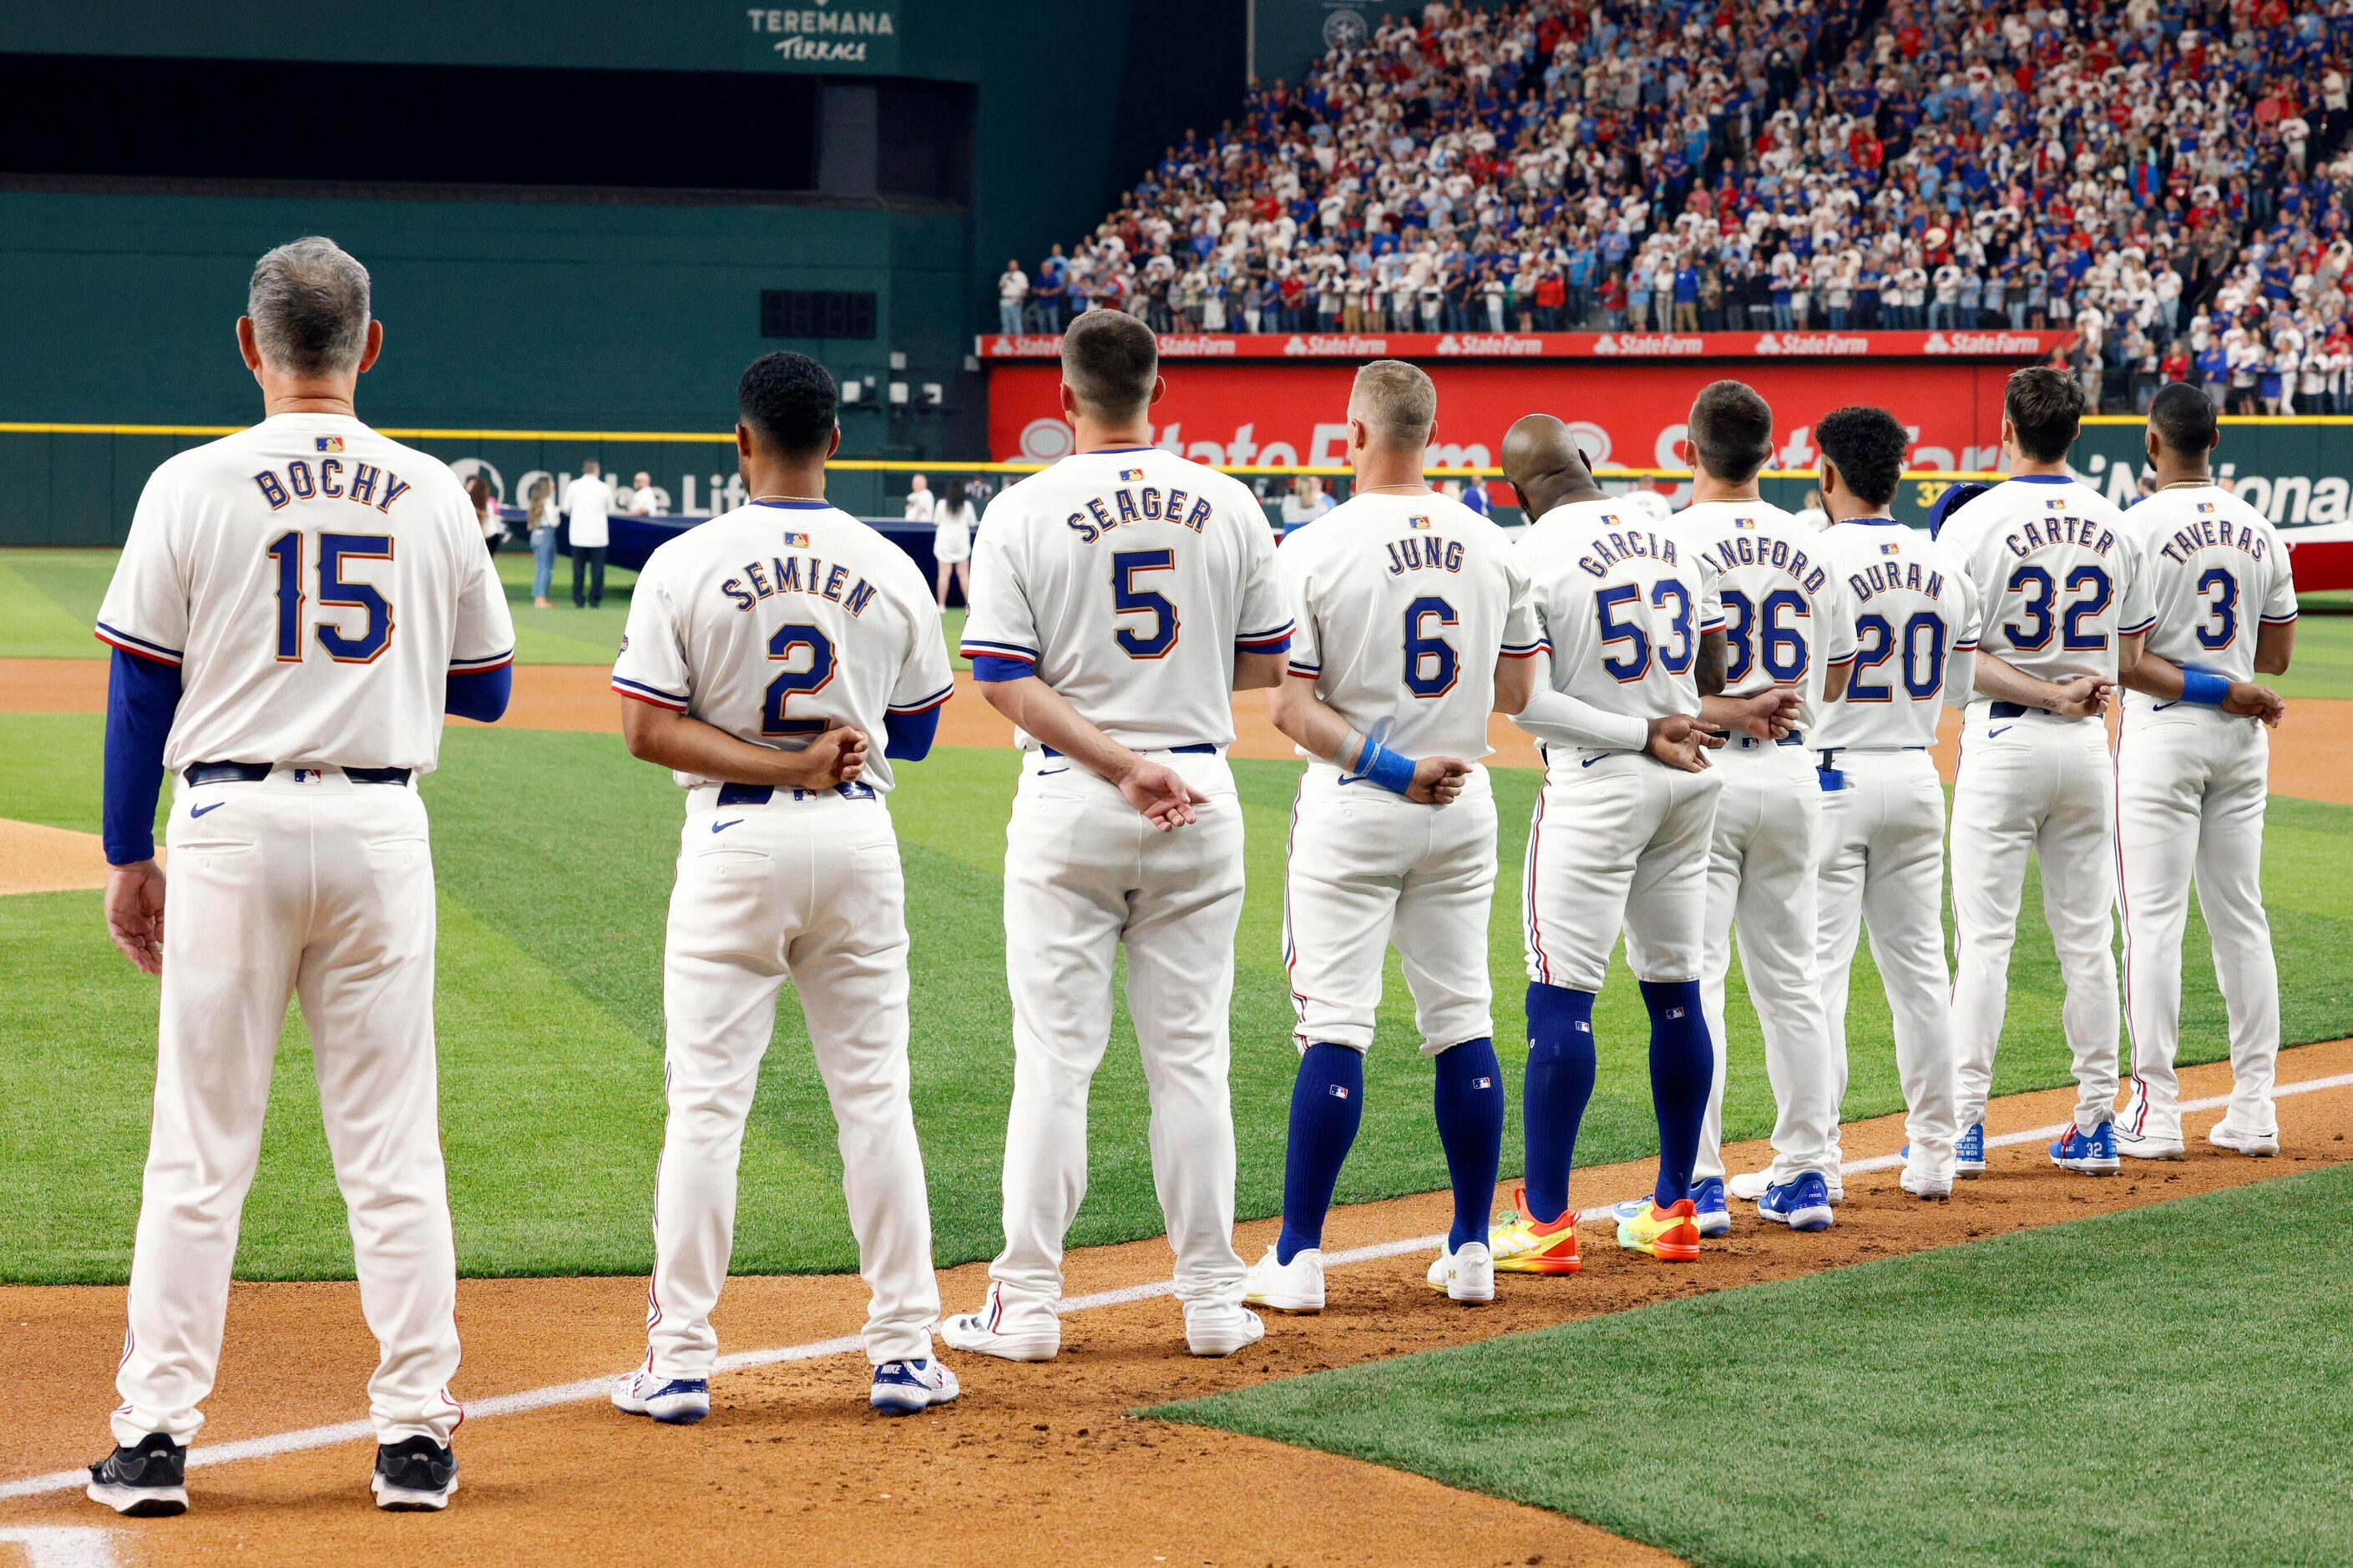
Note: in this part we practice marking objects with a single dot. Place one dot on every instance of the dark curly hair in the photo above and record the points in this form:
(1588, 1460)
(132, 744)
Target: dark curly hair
(789, 401)
(1866, 445)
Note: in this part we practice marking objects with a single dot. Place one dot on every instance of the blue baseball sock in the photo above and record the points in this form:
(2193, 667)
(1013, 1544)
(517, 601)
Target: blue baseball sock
(1469, 1099)
(1559, 1082)
(1683, 1063)
(1327, 1101)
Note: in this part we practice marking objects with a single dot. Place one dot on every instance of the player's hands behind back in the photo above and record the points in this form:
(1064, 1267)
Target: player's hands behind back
(1438, 780)
(1161, 793)
(1681, 742)
(1767, 715)
(134, 913)
(2084, 697)
(2248, 700)
(836, 757)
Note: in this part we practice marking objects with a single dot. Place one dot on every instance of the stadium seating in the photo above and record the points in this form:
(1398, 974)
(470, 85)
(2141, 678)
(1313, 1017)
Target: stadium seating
(2162, 176)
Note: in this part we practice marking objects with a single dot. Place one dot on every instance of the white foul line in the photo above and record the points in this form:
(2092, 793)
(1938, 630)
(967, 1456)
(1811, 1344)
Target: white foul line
(590, 1388)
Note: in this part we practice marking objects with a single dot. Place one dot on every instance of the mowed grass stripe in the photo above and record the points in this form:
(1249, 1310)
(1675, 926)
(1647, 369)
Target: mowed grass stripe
(2158, 1386)
(555, 853)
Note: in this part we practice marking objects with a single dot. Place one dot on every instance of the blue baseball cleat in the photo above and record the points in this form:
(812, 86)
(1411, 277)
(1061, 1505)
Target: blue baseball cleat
(2093, 1153)
(903, 1387)
(1803, 1203)
(673, 1402)
(1968, 1151)
(1707, 1200)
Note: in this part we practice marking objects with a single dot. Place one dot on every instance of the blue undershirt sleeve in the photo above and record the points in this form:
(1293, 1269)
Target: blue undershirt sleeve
(480, 694)
(908, 736)
(141, 696)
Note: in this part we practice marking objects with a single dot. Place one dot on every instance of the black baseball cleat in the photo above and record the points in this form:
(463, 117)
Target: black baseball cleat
(413, 1476)
(148, 1481)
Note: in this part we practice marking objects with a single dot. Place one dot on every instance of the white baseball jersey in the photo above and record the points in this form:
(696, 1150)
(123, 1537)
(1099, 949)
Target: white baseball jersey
(1622, 604)
(780, 620)
(1914, 608)
(2215, 568)
(1127, 579)
(1400, 606)
(1786, 620)
(316, 584)
(2058, 576)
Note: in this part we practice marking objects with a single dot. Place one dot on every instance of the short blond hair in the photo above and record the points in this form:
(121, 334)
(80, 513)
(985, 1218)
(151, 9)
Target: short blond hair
(1398, 402)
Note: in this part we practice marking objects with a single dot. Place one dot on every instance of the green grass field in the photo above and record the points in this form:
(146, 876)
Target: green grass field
(2160, 1386)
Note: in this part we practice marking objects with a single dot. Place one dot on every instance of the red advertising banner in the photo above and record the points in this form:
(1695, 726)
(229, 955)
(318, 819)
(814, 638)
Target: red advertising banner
(2004, 344)
(1629, 415)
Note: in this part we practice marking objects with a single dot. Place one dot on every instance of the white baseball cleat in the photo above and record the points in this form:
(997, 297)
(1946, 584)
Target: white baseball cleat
(2146, 1146)
(1008, 1330)
(672, 1401)
(1220, 1328)
(2259, 1145)
(1467, 1274)
(1921, 1184)
(903, 1387)
(1293, 1287)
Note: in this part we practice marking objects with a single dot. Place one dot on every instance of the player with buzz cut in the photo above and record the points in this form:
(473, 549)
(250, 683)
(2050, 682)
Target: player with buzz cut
(296, 608)
(2193, 770)
(1882, 837)
(1119, 598)
(1787, 628)
(1409, 626)
(765, 648)
(1633, 636)
(2064, 594)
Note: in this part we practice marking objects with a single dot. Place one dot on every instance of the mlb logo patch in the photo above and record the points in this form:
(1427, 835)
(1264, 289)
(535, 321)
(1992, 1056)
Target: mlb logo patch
(1890, 549)
(2055, 504)
(1609, 519)
(1129, 476)
(1339, 1090)
(797, 542)
(1482, 1083)
(1417, 523)
(1743, 522)
(330, 443)
(2205, 505)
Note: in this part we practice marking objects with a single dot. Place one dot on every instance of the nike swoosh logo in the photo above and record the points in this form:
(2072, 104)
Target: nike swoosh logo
(723, 827)
(2161, 707)
(1590, 761)
(200, 810)
(2003, 730)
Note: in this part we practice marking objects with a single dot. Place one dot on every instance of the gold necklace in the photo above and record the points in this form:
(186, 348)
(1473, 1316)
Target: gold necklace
(2186, 484)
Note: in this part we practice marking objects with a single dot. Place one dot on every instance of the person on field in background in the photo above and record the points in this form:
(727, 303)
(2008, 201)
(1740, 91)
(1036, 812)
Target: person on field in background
(588, 502)
(297, 608)
(920, 501)
(486, 512)
(546, 523)
(952, 528)
(642, 499)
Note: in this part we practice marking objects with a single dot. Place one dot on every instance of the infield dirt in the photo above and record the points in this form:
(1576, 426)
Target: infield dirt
(1034, 1463)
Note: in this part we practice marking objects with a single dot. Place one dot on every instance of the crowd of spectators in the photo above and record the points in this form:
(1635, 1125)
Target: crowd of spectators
(2161, 178)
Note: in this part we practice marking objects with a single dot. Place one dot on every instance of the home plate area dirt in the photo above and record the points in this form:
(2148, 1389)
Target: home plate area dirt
(1035, 1463)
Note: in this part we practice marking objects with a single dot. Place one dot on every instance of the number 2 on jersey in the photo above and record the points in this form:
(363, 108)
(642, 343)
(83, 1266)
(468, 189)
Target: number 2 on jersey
(781, 690)
(1923, 658)
(334, 592)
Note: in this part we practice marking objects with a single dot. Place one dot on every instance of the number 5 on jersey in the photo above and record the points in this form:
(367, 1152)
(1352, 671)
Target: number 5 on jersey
(336, 550)
(1127, 599)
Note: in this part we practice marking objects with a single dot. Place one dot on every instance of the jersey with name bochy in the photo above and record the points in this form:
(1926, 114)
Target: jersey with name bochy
(1914, 609)
(1402, 605)
(2059, 577)
(779, 620)
(1623, 602)
(1127, 579)
(317, 584)
(1786, 620)
(2216, 572)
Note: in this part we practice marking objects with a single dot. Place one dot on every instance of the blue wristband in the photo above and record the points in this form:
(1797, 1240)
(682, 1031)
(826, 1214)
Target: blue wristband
(1384, 768)
(2204, 688)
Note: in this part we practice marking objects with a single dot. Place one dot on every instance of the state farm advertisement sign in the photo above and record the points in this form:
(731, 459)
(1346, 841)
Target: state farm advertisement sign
(1628, 414)
(1999, 344)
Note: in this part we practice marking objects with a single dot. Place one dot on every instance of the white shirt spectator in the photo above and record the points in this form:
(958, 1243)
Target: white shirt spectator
(589, 501)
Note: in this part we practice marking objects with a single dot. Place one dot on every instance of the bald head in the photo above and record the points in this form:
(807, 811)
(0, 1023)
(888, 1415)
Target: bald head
(1543, 464)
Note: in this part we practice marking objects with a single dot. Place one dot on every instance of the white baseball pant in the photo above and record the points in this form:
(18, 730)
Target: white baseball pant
(303, 882)
(1762, 876)
(2034, 784)
(1620, 842)
(1883, 862)
(1367, 868)
(2191, 786)
(809, 888)
(1085, 875)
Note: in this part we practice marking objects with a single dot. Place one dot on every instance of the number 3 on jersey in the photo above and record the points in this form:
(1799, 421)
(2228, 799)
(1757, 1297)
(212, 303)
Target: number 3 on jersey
(815, 677)
(335, 593)
(1129, 600)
